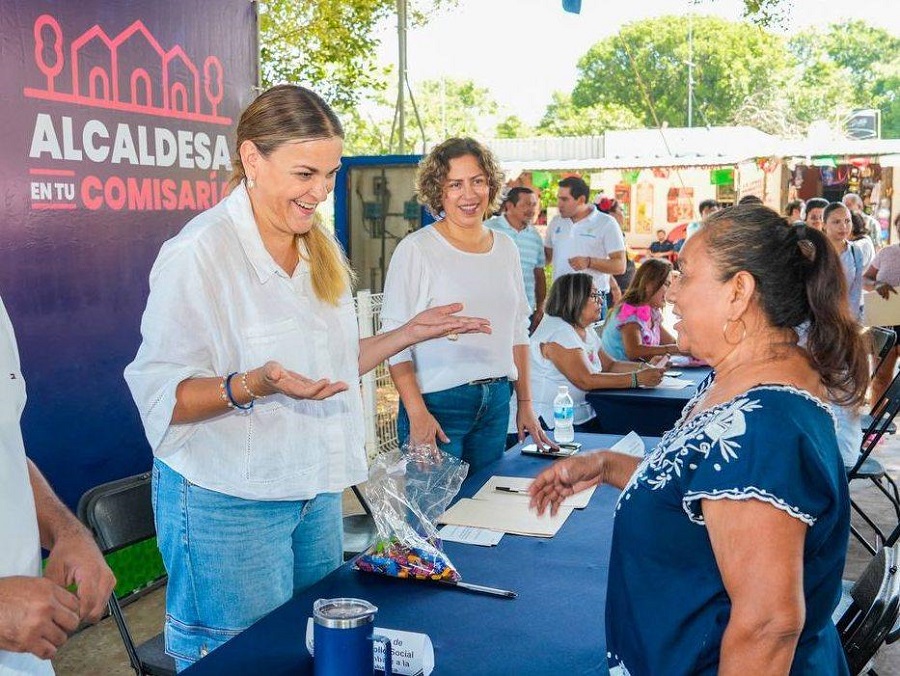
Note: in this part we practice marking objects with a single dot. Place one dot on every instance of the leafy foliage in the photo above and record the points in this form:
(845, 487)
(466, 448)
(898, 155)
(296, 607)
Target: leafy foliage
(513, 126)
(742, 75)
(732, 61)
(330, 46)
(563, 118)
(447, 107)
(846, 66)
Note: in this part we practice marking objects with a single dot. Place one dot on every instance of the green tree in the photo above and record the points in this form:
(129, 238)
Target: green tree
(846, 66)
(886, 91)
(446, 108)
(451, 107)
(513, 126)
(564, 118)
(330, 46)
(731, 61)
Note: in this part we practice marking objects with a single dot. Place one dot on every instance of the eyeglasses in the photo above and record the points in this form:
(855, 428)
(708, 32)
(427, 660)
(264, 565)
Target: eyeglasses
(597, 297)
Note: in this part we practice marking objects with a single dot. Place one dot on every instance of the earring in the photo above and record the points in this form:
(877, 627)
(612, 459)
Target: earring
(743, 331)
(250, 183)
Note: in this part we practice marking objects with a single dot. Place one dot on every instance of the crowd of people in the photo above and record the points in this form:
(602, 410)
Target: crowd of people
(246, 384)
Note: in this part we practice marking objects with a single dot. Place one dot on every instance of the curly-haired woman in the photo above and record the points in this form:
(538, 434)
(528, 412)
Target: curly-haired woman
(456, 392)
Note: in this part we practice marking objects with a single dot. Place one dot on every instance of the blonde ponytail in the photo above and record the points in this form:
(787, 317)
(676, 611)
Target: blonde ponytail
(283, 114)
(329, 268)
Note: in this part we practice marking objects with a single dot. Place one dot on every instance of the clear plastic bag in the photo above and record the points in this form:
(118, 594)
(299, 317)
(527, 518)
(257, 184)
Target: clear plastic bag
(407, 490)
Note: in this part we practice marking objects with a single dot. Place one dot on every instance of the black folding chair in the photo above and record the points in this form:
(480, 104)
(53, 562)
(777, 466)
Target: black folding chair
(359, 529)
(870, 468)
(120, 514)
(873, 610)
(883, 341)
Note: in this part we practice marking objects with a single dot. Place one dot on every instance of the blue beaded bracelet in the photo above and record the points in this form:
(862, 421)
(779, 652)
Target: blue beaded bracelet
(243, 407)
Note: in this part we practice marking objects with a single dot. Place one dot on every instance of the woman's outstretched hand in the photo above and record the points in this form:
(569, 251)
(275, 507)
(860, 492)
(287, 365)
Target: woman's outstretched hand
(885, 290)
(564, 478)
(278, 379)
(443, 321)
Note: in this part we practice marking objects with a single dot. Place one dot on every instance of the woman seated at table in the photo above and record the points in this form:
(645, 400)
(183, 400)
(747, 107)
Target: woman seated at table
(730, 537)
(565, 350)
(633, 329)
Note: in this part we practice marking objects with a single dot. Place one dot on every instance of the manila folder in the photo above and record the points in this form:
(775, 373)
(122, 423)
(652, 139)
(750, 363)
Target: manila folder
(506, 516)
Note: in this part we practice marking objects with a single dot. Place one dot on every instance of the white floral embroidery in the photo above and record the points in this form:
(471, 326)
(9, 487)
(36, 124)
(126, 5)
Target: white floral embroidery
(691, 500)
(618, 668)
(710, 436)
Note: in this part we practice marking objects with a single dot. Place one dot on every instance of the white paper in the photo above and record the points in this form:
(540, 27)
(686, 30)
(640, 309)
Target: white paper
(489, 492)
(508, 516)
(470, 536)
(670, 383)
(880, 312)
(630, 444)
(411, 652)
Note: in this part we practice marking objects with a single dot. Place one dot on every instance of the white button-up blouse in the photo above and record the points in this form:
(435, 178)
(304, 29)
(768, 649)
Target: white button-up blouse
(218, 304)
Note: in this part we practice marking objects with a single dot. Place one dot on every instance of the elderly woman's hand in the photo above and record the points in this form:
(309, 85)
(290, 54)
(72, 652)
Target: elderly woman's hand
(564, 478)
(442, 320)
(885, 290)
(650, 376)
(277, 379)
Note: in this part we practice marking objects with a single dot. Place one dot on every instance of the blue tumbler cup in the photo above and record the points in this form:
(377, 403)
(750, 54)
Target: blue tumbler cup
(343, 636)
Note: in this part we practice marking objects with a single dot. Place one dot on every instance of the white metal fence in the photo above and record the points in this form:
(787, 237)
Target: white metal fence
(379, 395)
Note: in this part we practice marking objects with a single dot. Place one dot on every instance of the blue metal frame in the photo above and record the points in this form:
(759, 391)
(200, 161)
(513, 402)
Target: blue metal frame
(342, 189)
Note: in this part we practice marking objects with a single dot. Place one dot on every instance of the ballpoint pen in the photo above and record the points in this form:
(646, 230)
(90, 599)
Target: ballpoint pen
(509, 489)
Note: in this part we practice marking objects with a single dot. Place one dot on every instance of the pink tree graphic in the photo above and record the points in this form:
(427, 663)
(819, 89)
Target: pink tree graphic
(212, 82)
(42, 47)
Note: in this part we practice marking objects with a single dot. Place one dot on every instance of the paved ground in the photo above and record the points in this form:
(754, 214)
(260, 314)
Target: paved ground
(98, 650)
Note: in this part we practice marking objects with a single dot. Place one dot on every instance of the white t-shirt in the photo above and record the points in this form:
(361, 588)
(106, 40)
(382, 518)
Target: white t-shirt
(426, 270)
(598, 235)
(546, 378)
(220, 304)
(21, 550)
(867, 249)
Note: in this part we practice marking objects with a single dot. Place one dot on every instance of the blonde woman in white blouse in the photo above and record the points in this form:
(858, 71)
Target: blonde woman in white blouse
(246, 381)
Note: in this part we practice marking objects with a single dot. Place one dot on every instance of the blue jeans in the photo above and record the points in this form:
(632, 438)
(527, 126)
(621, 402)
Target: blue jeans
(231, 561)
(474, 418)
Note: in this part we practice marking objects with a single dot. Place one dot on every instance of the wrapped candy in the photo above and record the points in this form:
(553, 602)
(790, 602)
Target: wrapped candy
(407, 490)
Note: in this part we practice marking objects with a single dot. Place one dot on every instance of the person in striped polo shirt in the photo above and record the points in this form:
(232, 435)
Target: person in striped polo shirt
(519, 211)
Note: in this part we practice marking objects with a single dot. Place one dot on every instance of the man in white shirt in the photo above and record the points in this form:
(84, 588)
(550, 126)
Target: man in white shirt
(520, 208)
(706, 208)
(583, 239)
(37, 613)
(855, 204)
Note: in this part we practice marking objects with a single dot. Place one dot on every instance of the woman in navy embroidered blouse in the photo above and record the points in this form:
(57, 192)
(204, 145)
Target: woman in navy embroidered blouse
(730, 537)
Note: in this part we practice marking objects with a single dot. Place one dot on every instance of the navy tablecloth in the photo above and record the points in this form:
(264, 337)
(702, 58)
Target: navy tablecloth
(647, 411)
(555, 626)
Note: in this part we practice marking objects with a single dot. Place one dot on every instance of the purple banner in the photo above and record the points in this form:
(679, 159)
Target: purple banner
(117, 128)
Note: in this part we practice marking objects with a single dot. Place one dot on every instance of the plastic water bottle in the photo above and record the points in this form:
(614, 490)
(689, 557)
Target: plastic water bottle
(563, 416)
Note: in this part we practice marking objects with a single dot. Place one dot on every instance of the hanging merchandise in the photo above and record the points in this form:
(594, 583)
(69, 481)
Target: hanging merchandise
(644, 210)
(679, 205)
(722, 176)
(622, 191)
(853, 180)
(541, 179)
(824, 162)
(631, 176)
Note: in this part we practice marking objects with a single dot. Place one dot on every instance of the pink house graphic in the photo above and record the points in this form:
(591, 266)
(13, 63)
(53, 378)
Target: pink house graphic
(130, 72)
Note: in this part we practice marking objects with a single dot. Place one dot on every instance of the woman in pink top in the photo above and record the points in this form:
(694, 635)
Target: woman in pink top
(634, 327)
(883, 276)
